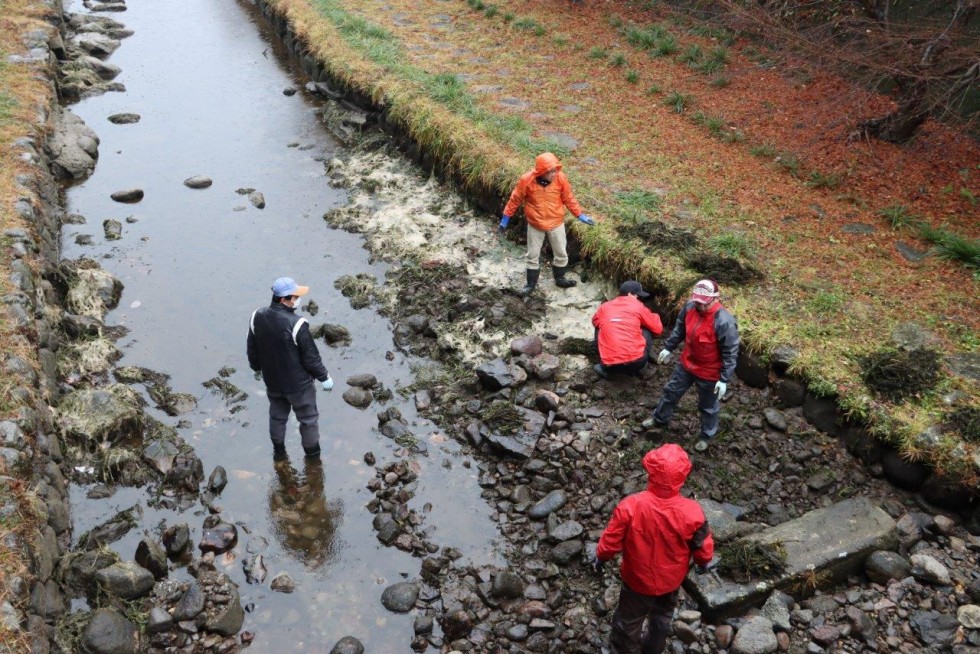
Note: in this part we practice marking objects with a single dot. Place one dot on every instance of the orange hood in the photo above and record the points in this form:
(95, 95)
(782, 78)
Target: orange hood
(668, 467)
(545, 162)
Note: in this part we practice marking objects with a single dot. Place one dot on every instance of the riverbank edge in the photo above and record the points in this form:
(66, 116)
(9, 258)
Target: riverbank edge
(36, 515)
(911, 461)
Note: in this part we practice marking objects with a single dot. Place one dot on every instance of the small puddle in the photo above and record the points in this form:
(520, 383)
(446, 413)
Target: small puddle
(207, 80)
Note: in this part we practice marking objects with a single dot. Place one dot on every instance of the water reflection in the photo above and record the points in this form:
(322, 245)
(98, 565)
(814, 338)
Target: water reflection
(304, 522)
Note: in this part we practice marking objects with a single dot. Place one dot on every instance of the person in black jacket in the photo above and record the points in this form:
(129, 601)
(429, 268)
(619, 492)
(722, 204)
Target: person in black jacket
(281, 347)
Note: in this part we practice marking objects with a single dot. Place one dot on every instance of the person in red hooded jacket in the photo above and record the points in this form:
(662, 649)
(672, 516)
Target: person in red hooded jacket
(624, 331)
(545, 192)
(658, 531)
(710, 336)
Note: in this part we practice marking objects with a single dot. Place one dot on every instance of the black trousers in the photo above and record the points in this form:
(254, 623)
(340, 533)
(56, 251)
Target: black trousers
(627, 624)
(630, 367)
(303, 404)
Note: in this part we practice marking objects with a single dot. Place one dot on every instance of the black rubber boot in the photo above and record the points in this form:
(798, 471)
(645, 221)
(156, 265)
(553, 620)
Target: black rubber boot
(532, 281)
(313, 453)
(560, 280)
(279, 452)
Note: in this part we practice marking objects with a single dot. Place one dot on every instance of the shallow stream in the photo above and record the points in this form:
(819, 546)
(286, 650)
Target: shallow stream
(207, 78)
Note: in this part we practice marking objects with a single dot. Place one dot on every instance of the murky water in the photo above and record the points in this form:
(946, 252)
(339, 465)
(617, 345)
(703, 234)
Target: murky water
(207, 81)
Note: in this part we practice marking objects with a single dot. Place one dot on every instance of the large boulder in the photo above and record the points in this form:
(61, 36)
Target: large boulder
(109, 632)
(125, 579)
(101, 415)
(91, 290)
(73, 146)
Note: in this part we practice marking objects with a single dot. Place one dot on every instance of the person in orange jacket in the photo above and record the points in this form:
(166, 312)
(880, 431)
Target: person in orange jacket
(659, 532)
(624, 331)
(545, 192)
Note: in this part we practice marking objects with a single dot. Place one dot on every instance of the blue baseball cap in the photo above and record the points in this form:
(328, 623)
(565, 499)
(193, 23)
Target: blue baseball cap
(286, 286)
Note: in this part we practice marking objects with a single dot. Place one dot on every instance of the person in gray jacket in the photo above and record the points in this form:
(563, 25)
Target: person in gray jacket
(710, 336)
(281, 347)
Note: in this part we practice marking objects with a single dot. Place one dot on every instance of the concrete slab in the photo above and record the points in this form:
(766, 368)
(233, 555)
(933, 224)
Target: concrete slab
(822, 546)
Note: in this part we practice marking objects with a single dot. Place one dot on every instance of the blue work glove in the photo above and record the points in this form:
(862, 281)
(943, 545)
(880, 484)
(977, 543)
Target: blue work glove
(504, 221)
(327, 383)
(709, 566)
(585, 219)
(720, 389)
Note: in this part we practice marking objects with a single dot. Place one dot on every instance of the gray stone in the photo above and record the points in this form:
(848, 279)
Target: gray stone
(198, 182)
(109, 632)
(858, 228)
(112, 229)
(47, 600)
(125, 579)
(752, 370)
(159, 620)
(227, 619)
(834, 540)
(723, 524)
(969, 616)
(495, 375)
(105, 71)
(150, 555)
(364, 380)
(347, 645)
(933, 627)
(69, 159)
(124, 119)
(566, 552)
(544, 366)
(128, 196)
(755, 637)
(930, 571)
(910, 252)
(218, 480)
(282, 583)
(359, 398)
(517, 632)
(909, 475)
(98, 45)
(883, 566)
(965, 364)
(257, 199)
(530, 345)
(565, 531)
(191, 603)
(400, 597)
(220, 538)
(777, 612)
(507, 585)
(566, 141)
(775, 418)
(821, 412)
(176, 538)
(550, 503)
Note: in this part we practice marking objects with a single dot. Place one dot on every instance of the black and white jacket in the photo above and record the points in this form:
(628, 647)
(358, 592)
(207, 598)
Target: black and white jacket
(281, 346)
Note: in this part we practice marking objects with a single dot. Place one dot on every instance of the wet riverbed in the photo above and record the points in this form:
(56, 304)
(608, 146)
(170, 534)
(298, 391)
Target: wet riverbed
(207, 81)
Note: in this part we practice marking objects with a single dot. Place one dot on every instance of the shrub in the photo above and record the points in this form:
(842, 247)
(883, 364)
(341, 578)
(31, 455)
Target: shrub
(897, 374)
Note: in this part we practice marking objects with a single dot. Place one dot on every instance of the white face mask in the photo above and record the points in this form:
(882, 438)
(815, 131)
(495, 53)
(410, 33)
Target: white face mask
(297, 302)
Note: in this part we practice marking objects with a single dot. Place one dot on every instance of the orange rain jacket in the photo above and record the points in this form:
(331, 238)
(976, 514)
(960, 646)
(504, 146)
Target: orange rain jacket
(658, 530)
(544, 206)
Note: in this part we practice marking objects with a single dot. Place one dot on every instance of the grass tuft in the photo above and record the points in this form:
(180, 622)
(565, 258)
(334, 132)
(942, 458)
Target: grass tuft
(898, 216)
(597, 52)
(677, 101)
(736, 245)
(721, 81)
(747, 560)
(618, 60)
(632, 77)
(952, 246)
(897, 375)
(765, 150)
(822, 180)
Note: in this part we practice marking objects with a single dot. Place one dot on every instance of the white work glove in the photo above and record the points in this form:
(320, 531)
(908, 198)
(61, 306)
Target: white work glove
(663, 356)
(720, 388)
(327, 383)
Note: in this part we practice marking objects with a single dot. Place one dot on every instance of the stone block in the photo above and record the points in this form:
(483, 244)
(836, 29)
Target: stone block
(831, 542)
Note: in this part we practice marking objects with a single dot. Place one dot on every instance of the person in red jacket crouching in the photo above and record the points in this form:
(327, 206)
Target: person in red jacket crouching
(658, 532)
(624, 331)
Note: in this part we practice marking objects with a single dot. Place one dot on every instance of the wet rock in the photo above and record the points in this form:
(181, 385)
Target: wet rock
(544, 366)
(456, 625)
(334, 335)
(198, 181)
(685, 633)
(723, 636)
(775, 418)
(546, 401)
(566, 552)
(565, 531)
(70, 146)
(821, 412)
(125, 579)
(282, 583)
(909, 531)
(517, 632)
(124, 118)
(862, 625)
(191, 603)
(495, 375)
(160, 454)
(254, 567)
(550, 503)
(103, 70)
(507, 585)
(930, 571)
(220, 538)
(968, 615)
(423, 401)
(359, 398)
(159, 621)
(224, 613)
(47, 600)
(789, 392)
(529, 345)
(933, 627)
(257, 199)
(400, 597)
(218, 480)
(362, 381)
(289, 91)
(176, 538)
(752, 370)
(187, 473)
(109, 531)
(521, 447)
(882, 566)
(909, 475)
(755, 637)
(112, 229)
(776, 611)
(153, 557)
(723, 524)
(109, 632)
(128, 196)
(347, 644)
(825, 635)
(97, 45)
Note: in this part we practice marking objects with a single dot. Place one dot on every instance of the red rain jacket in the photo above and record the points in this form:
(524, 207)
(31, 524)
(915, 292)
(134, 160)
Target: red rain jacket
(657, 530)
(710, 340)
(620, 322)
(544, 206)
